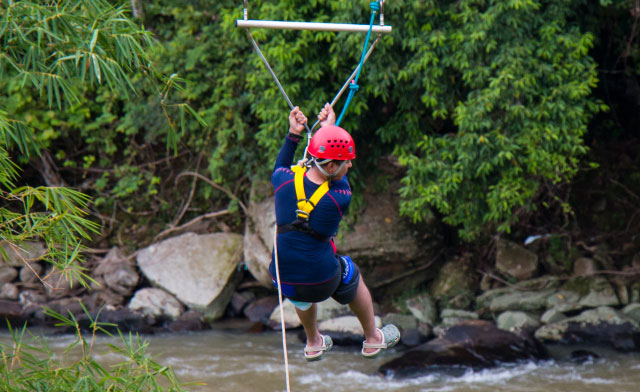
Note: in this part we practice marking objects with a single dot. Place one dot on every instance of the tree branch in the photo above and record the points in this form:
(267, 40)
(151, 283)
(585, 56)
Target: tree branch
(218, 187)
(191, 222)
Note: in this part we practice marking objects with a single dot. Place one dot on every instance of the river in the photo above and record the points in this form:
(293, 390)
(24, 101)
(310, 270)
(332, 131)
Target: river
(231, 361)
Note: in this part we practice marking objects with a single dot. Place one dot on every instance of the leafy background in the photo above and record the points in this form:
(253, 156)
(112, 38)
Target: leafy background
(496, 110)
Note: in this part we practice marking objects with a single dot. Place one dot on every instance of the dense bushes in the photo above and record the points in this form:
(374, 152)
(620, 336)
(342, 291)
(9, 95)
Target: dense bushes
(486, 104)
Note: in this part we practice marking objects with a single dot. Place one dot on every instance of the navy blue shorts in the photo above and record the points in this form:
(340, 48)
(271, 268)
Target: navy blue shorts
(343, 287)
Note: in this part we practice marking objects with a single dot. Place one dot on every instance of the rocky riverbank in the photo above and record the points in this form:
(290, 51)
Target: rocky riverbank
(450, 311)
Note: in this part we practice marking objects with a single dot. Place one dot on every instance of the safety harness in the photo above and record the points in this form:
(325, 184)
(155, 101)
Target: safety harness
(305, 206)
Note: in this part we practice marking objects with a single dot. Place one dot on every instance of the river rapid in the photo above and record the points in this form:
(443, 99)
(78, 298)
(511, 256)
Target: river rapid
(231, 361)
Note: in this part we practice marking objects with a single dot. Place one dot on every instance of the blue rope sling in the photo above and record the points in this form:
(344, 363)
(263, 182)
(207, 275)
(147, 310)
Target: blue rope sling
(353, 86)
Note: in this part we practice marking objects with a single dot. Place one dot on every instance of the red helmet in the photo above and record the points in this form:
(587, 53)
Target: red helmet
(331, 142)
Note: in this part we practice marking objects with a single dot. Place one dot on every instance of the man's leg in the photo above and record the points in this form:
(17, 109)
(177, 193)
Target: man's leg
(310, 325)
(362, 307)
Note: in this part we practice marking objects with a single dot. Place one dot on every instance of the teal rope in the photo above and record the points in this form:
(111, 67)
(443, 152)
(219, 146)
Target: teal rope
(353, 87)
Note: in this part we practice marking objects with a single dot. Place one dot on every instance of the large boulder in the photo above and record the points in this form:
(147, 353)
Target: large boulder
(515, 261)
(472, 344)
(603, 325)
(199, 270)
(258, 232)
(380, 236)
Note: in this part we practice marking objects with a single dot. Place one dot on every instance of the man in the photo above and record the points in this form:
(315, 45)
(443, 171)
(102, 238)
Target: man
(309, 206)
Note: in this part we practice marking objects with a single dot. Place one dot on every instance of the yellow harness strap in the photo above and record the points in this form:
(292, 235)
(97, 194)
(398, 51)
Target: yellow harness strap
(305, 206)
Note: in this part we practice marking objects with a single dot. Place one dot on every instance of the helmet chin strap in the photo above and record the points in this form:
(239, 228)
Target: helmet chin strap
(330, 176)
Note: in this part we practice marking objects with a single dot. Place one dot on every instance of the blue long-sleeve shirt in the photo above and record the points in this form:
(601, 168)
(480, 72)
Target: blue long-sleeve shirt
(303, 259)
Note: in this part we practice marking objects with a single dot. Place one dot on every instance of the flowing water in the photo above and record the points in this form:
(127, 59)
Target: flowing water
(230, 361)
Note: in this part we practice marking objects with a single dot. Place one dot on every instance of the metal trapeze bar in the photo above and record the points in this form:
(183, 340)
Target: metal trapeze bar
(272, 24)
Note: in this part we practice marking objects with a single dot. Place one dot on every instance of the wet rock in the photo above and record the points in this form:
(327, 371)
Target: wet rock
(632, 311)
(582, 356)
(622, 291)
(10, 309)
(552, 316)
(258, 232)
(326, 310)
(117, 272)
(459, 314)
(402, 321)
(345, 324)
(57, 285)
(64, 306)
(450, 317)
(425, 330)
(564, 301)
(515, 261)
(187, 321)
(476, 344)
(261, 309)
(543, 283)
(32, 297)
(199, 270)
(9, 291)
(124, 319)
(520, 300)
(107, 299)
(7, 274)
(584, 266)
(31, 273)
(602, 325)
(635, 292)
(593, 291)
(239, 300)
(455, 283)
(423, 309)
(156, 303)
(412, 337)
(515, 321)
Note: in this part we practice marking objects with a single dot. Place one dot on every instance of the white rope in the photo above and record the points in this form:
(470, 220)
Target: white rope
(284, 331)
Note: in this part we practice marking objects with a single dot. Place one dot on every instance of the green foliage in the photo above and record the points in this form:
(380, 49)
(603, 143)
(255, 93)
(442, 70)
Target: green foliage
(485, 103)
(88, 59)
(31, 365)
(508, 86)
(562, 253)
